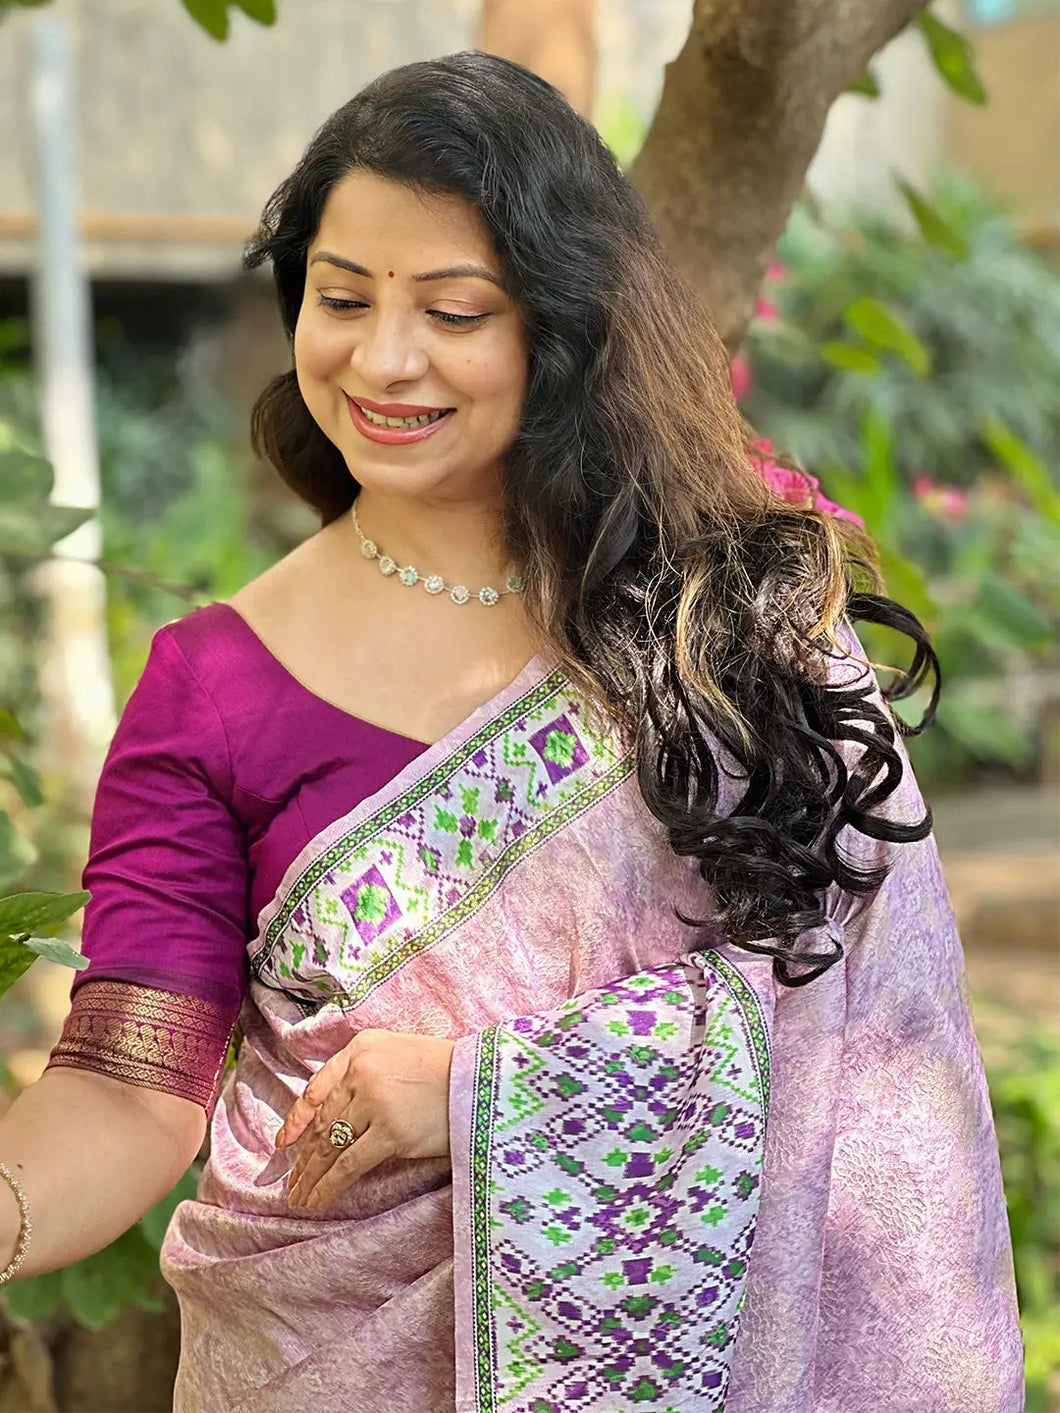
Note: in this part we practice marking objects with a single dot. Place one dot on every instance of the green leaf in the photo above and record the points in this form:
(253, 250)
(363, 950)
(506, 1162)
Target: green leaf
(953, 57)
(881, 326)
(16, 852)
(1026, 466)
(61, 953)
(907, 583)
(881, 479)
(211, 15)
(126, 1271)
(263, 11)
(984, 731)
(15, 958)
(850, 357)
(35, 1298)
(10, 727)
(24, 780)
(933, 227)
(14, 336)
(1010, 619)
(154, 1223)
(868, 85)
(34, 912)
(24, 478)
(33, 531)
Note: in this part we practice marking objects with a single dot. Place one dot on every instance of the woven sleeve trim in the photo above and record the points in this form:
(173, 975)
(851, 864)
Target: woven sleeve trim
(148, 1037)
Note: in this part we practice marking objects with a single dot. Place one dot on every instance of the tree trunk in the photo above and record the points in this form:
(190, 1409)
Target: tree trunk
(742, 111)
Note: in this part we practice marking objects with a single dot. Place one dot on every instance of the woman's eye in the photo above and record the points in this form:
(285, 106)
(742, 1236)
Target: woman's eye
(329, 303)
(442, 315)
(447, 318)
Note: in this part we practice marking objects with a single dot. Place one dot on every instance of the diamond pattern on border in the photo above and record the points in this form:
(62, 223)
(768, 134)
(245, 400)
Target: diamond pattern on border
(617, 1148)
(401, 880)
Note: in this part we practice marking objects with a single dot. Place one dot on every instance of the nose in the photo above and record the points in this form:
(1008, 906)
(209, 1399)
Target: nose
(386, 350)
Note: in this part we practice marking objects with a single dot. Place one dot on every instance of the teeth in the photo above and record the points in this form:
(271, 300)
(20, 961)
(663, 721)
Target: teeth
(407, 422)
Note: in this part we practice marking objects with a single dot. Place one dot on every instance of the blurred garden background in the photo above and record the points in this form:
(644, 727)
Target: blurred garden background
(889, 288)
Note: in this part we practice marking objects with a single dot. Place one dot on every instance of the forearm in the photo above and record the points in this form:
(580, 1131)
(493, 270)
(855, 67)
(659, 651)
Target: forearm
(93, 1154)
(554, 38)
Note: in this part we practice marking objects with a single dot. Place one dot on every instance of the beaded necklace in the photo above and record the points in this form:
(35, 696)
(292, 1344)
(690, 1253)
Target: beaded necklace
(433, 583)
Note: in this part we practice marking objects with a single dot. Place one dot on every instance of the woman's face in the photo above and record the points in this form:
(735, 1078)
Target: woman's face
(403, 317)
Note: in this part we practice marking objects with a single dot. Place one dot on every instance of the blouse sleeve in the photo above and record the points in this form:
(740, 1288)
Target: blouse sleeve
(166, 929)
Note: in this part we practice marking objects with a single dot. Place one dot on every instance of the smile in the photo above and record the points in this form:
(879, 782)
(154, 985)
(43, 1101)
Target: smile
(422, 421)
(396, 431)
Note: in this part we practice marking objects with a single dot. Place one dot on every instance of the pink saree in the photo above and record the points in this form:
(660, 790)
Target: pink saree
(674, 1184)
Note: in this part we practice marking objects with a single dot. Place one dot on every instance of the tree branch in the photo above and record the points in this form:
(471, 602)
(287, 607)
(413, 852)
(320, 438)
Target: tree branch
(742, 111)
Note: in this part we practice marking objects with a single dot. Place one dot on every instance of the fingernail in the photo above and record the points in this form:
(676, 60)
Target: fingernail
(280, 1138)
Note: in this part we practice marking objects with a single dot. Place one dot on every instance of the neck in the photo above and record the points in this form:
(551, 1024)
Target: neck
(461, 540)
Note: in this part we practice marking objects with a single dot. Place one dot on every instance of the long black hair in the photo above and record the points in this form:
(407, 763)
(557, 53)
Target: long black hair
(703, 613)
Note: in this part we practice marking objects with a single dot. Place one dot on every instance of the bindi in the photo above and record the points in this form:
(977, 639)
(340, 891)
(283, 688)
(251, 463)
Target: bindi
(390, 273)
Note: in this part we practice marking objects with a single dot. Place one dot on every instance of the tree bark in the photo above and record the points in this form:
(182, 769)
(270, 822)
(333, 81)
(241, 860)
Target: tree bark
(742, 111)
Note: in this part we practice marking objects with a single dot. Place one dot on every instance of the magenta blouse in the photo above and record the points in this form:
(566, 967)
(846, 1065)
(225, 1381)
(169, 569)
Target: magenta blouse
(223, 767)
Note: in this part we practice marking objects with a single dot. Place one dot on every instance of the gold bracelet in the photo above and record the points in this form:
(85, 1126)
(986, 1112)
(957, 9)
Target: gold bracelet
(25, 1230)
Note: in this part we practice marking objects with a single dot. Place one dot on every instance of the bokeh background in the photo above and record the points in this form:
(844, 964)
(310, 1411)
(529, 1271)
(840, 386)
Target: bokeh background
(887, 282)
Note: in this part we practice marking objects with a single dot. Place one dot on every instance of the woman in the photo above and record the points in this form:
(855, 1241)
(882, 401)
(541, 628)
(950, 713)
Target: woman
(546, 829)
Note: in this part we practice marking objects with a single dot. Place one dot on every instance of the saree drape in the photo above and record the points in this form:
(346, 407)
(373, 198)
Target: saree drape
(674, 1184)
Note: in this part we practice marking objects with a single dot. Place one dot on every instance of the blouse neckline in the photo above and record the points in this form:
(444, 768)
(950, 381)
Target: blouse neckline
(282, 668)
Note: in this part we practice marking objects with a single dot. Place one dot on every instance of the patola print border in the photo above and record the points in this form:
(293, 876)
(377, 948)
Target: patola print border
(486, 1090)
(487, 884)
(363, 832)
(489, 736)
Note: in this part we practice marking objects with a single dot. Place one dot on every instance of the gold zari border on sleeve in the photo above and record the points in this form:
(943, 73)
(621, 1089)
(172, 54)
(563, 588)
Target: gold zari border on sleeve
(144, 1036)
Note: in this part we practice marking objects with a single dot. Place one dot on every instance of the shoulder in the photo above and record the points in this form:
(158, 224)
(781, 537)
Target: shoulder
(219, 646)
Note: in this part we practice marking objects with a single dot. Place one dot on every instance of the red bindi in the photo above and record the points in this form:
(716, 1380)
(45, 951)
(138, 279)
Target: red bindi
(390, 273)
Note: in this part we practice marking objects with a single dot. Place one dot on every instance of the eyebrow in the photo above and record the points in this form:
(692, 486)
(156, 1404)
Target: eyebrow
(451, 272)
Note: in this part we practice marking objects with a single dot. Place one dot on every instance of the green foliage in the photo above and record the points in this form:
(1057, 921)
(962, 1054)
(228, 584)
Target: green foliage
(935, 229)
(953, 56)
(623, 127)
(212, 15)
(29, 525)
(867, 85)
(96, 1289)
(916, 377)
(1024, 1082)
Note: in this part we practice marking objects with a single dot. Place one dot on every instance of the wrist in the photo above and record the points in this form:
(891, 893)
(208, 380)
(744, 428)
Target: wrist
(10, 1224)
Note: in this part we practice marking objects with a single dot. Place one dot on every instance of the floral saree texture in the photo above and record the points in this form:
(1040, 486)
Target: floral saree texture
(673, 1184)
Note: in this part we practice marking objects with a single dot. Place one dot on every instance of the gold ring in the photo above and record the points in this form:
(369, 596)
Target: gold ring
(341, 1134)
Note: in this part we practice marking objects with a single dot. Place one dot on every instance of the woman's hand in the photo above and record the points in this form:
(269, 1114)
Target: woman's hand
(393, 1091)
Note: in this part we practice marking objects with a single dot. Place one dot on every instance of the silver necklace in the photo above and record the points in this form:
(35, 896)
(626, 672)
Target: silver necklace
(410, 576)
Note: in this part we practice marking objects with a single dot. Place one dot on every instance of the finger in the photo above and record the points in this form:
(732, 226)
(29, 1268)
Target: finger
(352, 1163)
(305, 1108)
(341, 1103)
(319, 1154)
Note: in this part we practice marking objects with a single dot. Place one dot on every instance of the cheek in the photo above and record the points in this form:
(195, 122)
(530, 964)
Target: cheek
(319, 348)
(500, 377)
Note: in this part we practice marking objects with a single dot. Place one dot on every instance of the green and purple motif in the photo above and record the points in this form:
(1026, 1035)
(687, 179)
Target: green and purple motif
(399, 881)
(617, 1147)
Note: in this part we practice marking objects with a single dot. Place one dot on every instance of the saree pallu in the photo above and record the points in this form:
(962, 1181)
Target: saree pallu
(674, 1184)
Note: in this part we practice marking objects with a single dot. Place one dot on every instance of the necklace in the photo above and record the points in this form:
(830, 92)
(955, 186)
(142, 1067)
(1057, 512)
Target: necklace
(433, 583)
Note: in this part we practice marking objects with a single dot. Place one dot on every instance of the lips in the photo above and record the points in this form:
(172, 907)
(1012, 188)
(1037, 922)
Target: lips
(395, 409)
(395, 436)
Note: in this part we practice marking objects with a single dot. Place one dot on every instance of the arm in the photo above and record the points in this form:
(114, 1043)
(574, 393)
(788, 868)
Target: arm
(554, 38)
(93, 1154)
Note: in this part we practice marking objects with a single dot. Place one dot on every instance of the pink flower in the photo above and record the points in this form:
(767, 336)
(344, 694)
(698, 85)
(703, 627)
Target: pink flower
(766, 310)
(741, 376)
(776, 271)
(794, 486)
(949, 502)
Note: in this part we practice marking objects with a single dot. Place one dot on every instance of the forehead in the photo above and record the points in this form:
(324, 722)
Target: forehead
(367, 216)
